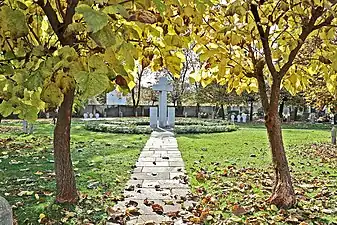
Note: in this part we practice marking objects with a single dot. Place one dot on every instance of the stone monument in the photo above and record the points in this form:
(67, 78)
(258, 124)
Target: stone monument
(171, 116)
(244, 118)
(163, 87)
(238, 118)
(6, 217)
(97, 115)
(233, 118)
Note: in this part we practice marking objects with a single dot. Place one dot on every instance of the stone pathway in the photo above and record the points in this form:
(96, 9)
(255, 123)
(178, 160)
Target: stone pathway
(159, 180)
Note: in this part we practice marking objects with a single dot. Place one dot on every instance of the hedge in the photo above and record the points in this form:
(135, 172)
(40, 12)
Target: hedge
(142, 126)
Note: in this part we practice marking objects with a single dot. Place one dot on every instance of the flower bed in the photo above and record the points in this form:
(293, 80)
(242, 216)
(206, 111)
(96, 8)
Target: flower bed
(142, 126)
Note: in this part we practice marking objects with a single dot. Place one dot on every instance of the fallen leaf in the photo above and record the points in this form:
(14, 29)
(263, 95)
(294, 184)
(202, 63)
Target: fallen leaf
(157, 208)
(238, 210)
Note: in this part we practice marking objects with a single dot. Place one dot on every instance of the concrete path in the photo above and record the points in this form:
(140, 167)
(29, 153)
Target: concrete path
(158, 180)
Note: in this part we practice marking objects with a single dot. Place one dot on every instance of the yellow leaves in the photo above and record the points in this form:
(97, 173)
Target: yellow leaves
(195, 77)
(331, 87)
(13, 22)
(173, 64)
(334, 65)
(173, 40)
(189, 11)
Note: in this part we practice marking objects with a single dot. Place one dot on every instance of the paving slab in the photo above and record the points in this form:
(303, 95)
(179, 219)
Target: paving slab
(158, 178)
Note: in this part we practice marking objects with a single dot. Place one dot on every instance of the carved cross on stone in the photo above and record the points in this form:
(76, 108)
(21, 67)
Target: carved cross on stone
(163, 87)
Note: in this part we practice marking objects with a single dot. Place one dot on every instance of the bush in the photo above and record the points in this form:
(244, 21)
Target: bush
(142, 126)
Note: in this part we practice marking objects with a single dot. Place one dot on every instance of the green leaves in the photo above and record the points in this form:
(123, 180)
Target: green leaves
(160, 5)
(52, 95)
(91, 83)
(13, 21)
(6, 108)
(104, 37)
(114, 9)
(95, 20)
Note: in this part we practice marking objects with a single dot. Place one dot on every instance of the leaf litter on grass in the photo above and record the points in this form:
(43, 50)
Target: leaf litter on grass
(229, 194)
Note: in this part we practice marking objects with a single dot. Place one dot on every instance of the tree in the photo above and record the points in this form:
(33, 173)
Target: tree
(54, 52)
(217, 95)
(181, 84)
(254, 46)
(318, 96)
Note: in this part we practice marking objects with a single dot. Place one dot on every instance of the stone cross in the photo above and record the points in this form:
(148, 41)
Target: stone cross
(6, 217)
(163, 87)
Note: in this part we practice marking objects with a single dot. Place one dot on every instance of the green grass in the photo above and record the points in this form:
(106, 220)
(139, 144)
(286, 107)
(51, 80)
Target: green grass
(237, 147)
(27, 180)
(220, 164)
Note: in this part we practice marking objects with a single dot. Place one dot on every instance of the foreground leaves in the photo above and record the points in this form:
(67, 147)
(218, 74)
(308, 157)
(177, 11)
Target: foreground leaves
(234, 195)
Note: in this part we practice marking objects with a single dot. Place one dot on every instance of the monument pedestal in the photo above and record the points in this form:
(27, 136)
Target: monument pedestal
(163, 87)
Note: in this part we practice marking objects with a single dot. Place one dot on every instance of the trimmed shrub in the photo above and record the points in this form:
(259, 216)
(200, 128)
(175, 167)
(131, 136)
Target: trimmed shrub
(142, 126)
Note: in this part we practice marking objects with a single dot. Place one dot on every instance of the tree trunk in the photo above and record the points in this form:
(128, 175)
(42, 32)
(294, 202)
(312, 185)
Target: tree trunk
(295, 113)
(222, 112)
(65, 178)
(197, 109)
(251, 111)
(280, 112)
(283, 194)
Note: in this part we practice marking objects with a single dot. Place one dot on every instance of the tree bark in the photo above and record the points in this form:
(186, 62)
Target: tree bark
(283, 195)
(197, 109)
(295, 113)
(280, 112)
(65, 178)
(222, 112)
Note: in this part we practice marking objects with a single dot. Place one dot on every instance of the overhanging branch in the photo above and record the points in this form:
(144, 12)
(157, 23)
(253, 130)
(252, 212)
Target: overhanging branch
(264, 39)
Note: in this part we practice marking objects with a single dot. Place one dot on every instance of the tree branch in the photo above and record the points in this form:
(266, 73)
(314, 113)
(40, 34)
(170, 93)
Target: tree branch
(264, 39)
(326, 22)
(208, 24)
(68, 19)
(52, 17)
(262, 85)
(34, 34)
(306, 30)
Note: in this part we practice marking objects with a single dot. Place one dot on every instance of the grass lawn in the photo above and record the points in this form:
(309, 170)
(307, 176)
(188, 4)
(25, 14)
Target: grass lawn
(102, 163)
(232, 176)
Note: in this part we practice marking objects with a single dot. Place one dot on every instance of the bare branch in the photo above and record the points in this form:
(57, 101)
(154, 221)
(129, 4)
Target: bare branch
(277, 37)
(35, 35)
(208, 24)
(68, 19)
(264, 38)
